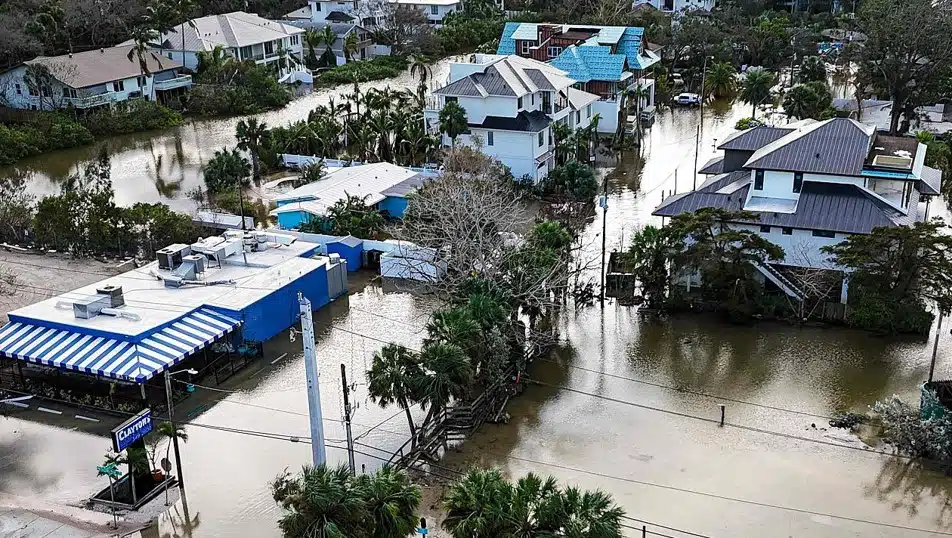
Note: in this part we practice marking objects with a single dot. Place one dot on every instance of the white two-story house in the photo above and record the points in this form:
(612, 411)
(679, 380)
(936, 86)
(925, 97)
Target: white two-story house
(511, 104)
(344, 18)
(243, 36)
(435, 10)
(91, 79)
(813, 184)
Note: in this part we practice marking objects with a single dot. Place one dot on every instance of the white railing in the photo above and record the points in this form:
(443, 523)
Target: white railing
(172, 83)
(92, 100)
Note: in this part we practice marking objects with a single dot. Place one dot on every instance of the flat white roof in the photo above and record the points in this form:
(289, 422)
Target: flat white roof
(368, 180)
(157, 305)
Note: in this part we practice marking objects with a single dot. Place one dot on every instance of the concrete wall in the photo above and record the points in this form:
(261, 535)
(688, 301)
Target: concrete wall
(800, 248)
(608, 110)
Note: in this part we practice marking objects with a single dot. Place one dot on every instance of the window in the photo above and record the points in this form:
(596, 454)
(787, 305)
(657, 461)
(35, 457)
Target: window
(141, 81)
(797, 181)
(269, 47)
(759, 180)
(554, 51)
(118, 86)
(533, 99)
(69, 92)
(525, 47)
(489, 138)
(245, 52)
(786, 231)
(169, 55)
(578, 116)
(295, 40)
(434, 10)
(765, 229)
(588, 111)
(519, 103)
(824, 233)
(541, 138)
(450, 99)
(317, 6)
(19, 89)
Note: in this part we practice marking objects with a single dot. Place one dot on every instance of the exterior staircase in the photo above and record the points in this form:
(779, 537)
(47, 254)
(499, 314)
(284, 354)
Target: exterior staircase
(782, 282)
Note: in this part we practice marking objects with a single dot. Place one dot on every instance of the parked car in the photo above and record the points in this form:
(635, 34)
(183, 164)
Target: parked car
(647, 114)
(676, 79)
(687, 99)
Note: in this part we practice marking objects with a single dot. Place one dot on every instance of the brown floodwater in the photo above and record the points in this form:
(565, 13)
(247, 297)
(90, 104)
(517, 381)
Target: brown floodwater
(608, 415)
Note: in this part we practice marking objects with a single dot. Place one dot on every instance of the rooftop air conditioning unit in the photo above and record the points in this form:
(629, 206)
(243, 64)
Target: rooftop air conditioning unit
(170, 257)
(114, 293)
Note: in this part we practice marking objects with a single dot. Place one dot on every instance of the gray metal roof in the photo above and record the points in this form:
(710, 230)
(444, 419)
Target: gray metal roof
(753, 139)
(539, 79)
(837, 146)
(931, 181)
(832, 207)
(405, 187)
(494, 83)
(713, 166)
(531, 122)
(465, 86)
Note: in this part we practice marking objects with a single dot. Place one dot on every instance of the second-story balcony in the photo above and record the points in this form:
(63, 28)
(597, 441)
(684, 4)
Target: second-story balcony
(432, 102)
(181, 81)
(89, 101)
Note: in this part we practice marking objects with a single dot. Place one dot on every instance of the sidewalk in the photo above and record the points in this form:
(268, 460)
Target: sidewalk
(29, 518)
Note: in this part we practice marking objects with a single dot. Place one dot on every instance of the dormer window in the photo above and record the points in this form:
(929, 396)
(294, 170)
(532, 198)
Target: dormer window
(758, 180)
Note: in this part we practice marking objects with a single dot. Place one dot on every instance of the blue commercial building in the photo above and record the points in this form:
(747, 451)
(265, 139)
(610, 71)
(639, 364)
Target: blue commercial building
(134, 326)
(382, 185)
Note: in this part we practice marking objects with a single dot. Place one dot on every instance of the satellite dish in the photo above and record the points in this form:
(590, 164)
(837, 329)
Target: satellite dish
(166, 464)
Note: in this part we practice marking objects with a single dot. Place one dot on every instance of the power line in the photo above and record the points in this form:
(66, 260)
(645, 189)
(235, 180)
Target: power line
(660, 526)
(727, 498)
(730, 424)
(688, 391)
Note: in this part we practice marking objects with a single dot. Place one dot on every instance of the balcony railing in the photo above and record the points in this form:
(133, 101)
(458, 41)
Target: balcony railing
(170, 84)
(92, 100)
(432, 103)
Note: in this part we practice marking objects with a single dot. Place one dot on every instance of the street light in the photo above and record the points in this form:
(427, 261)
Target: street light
(168, 397)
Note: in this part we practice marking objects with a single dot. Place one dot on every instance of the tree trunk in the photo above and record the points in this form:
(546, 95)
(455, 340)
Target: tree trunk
(894, 116)
(413, 430)
(256, 167)
(753, 111)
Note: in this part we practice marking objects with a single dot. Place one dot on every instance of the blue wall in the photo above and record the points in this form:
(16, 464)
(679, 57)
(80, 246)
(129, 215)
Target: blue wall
(394, 205)
(279, 310)
(353, 255)
(290, 221)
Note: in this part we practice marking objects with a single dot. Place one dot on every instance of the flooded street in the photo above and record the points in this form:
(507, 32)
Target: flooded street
(628, 405)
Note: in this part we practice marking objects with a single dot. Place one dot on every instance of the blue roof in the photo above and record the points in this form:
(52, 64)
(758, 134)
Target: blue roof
(590, 62)
(507, 45)
(69, 348)
(630, 46)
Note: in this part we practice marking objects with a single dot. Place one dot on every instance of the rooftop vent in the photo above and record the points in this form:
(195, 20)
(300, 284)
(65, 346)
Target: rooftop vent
(171, 256)
(893, 162)
(114, 293)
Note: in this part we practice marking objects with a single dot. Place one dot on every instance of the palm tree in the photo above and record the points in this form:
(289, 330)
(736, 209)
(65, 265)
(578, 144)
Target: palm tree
(319, 502)
(534, 507)
(449, 376)
(251, 135)
(183, 9)
(394, 377)
(721, 80)
(142, 39)
(453, 121)
(167, 430)
(328, 37)
(350, 45)
(756, 88)
(215, 62)
(592, 514)
(477, 504)
(419, 68)
(313, 39)
(392, 502)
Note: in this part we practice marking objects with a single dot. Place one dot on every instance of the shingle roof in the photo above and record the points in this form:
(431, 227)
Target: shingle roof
(230, 30)
(837, 146)
(754, 139)
(833, 207)
(626, 40)
(84, 69)
(507, 45)
(508, 76)
(531, 122)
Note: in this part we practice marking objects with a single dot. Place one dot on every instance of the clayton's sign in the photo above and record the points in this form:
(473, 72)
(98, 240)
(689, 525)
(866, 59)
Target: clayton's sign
(132, 430)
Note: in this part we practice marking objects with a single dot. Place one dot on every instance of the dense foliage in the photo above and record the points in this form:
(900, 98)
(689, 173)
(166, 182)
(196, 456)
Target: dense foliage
(810, 100)
(131, 117)
(896, 272)
(226, 86)
(377, 68)
(50, 132)
(923, 431)
(331, 502)
(85, 220)
(350, 216)
(573, 181)
(483, 504)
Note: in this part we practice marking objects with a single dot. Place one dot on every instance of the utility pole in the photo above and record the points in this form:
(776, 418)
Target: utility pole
(350, 436)
(697, 149)
(313, 383)
(703, 82)
(604, 204)
(935, 345)
(178, 458)
(675, 181)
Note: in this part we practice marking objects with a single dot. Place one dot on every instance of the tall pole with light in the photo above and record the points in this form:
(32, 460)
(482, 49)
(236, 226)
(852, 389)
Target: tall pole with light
(175, 446)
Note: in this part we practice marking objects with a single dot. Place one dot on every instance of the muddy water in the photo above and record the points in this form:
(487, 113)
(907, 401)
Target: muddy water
(163, 166)
(620, 426)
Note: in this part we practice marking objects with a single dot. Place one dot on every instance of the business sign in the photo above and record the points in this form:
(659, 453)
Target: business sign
(132, 430)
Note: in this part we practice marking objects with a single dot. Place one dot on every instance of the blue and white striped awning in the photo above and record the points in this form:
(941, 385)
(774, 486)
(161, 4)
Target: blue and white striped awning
(71, 349)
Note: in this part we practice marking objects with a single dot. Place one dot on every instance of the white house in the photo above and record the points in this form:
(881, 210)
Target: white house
(243, 36)
(90, 79)
(435, 10)
(364, 13)
(607, 61)
(814, 184)
(511, 104)
(674, 6)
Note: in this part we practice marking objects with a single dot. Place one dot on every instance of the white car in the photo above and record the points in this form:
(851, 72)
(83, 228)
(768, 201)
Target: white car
(676, 79)
(688, 99)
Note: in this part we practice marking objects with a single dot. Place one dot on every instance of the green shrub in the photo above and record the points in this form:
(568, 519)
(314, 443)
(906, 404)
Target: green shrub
(882, 314)
(132, 117)
(247, 89)
(49, 132)
(377, 68)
